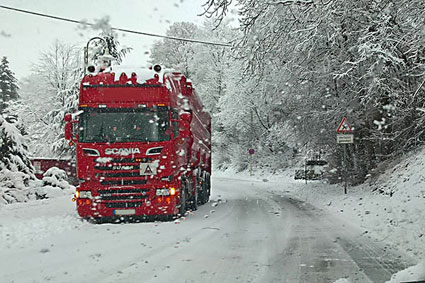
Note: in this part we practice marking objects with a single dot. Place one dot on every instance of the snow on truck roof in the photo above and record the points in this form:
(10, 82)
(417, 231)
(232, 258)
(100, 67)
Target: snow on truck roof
(143, 74)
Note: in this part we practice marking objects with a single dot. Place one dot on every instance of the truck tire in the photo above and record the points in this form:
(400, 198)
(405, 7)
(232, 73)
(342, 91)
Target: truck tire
(194, 200)
(201, 192)
(204, 192)
(208, 187)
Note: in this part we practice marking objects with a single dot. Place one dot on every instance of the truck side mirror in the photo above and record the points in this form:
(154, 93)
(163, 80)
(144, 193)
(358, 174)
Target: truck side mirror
(68, 131)
(69, 127)
(68, 117)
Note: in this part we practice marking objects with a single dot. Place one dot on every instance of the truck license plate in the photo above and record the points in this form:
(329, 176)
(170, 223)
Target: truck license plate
(147, 169)
(124, 211)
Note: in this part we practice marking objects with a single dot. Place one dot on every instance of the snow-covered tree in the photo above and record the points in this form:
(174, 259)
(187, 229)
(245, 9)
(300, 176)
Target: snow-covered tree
(58, 73)
(8, 84)
(177, 54)
(16, 170)
(329, 59)
(216, 76)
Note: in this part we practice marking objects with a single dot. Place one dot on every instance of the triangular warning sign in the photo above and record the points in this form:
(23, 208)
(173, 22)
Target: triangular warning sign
(148, 170)
(344, 127)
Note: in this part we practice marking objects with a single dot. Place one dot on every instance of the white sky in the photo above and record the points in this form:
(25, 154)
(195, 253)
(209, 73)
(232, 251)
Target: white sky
(31, 35)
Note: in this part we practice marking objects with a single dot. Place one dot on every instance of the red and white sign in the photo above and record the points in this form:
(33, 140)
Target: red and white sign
(344, 127)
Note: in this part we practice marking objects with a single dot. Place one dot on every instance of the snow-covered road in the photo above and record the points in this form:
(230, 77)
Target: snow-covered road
(250, 232)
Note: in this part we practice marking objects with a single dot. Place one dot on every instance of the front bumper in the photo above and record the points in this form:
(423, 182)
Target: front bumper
(92, 208)
(126, 201)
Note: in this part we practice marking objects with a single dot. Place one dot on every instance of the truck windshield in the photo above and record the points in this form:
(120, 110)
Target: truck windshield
(124, 125)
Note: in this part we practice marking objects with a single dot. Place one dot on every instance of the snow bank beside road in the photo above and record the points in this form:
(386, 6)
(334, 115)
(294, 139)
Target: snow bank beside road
(411, 274)
(23, 223)
(390, 208)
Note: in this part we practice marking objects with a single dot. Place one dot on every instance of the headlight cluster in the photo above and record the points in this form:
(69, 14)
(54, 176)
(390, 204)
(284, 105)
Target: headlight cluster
(166, 192)
(83, 194)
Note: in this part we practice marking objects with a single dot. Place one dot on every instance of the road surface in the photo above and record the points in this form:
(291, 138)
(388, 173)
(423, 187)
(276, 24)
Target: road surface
(249, 232)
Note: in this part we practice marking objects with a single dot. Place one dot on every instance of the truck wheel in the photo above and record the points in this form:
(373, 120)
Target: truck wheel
(204, 193)
(194, 200)
(208, 187)
(201, 193)
(200, 197)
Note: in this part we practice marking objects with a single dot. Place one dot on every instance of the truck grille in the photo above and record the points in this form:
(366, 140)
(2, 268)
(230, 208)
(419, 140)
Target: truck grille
(129, 160)
(121, 171)
(122, 197)
(123, 191)
(117, 167)
(122, 194)
(119, 174)
(122, 182)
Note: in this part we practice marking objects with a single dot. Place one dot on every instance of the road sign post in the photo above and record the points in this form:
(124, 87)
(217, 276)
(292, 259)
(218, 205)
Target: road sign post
(345, 137)
(345, 168)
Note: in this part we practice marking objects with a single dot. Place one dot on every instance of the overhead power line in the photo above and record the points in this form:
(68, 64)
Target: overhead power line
(115, 29)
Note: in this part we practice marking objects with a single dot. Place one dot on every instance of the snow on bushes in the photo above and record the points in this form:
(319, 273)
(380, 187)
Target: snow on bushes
(16, 170)
(54, 184)
(56, 177)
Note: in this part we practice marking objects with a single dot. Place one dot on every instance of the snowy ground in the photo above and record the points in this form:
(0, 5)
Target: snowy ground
(389, 209)
(252, 231)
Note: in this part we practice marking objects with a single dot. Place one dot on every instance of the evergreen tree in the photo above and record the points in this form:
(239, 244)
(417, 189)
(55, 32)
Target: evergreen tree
(8, 84)
(16, 170)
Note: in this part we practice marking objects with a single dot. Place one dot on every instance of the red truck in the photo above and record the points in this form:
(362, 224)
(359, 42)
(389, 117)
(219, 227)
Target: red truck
(143, 145)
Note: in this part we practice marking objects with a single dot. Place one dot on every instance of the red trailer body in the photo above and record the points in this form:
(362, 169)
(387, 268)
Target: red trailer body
(143, 145)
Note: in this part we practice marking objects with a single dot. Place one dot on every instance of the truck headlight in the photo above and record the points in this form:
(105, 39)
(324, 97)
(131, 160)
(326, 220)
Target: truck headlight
(162, 192)
(166, 192)
(83, 194)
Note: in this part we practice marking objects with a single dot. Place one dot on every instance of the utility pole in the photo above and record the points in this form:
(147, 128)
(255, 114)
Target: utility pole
(251, 158)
